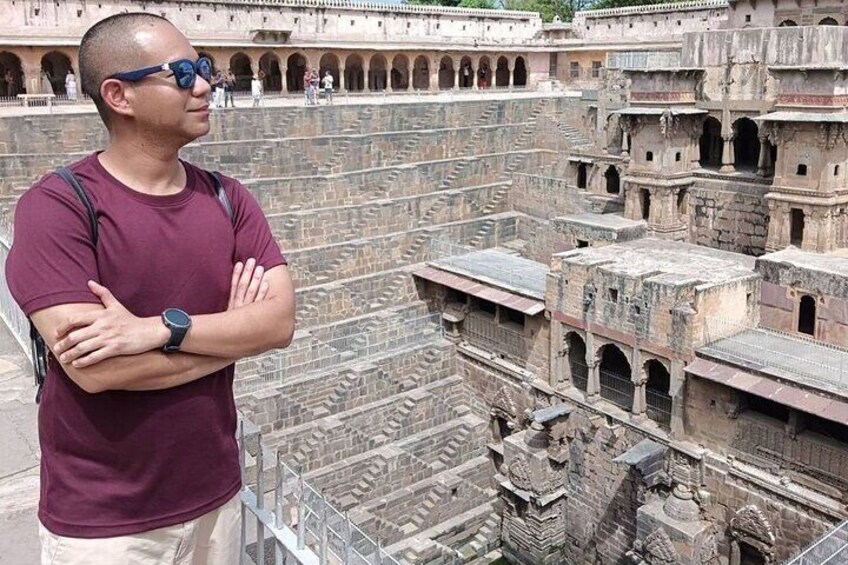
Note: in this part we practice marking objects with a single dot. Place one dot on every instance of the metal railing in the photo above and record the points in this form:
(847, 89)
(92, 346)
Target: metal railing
(11, 314)
(770, 447)
(830, 549)
(827, 364)
(617, 389)
(658, 406)
(643, 60)
(313, 357)
(482, 330)
(303, 526)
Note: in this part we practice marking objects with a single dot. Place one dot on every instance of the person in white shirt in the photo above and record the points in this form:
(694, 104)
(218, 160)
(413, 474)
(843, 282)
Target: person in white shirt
(256, 91)
(327, 83)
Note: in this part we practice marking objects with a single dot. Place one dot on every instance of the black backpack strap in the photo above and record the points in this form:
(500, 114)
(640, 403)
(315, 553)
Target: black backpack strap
(222, 197)
(72, 181)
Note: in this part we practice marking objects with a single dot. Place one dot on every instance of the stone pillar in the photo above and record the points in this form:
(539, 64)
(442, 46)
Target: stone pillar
(625, 136)
(285, 78)
(593, 386)
(559, 358)
(675, 390)
(727, 155)
(434, 77)
(342, 85)
(475, 76)
(32, 78)
(456, 75)
(639, 380)
(511, 69)
(776, 220)
(764, 165)
(366, 71)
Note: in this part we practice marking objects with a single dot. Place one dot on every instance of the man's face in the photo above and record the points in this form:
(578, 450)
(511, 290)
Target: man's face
(172, 113)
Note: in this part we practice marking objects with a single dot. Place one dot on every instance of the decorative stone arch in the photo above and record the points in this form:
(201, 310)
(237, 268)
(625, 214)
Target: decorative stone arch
(10, 65)
(447, 73)
(502, 72)
(710, 143)
(574, 345)
(519, 72)
(615, 375)
(242, 67)
(828, 22)
(295, 67)
(330, 62)
(378, 75)
(354, 73)
(421, 73)
(270, 72)
(788, 23)
(55, 66)
(484, 72)
(399, 79)
(504, 414)
(466, 72)
(746, 143)
(656, 378)
(750, 531)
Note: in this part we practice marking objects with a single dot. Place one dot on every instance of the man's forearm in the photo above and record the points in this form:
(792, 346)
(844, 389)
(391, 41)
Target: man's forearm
(153, 370)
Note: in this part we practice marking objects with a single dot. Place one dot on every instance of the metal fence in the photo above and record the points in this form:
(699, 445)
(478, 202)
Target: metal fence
(830, 549)
(617, 389)
(294, 523)
(482, 330)
(643, 60)
(312, 357)
(11, 314)
(821, 363)
(658, 406)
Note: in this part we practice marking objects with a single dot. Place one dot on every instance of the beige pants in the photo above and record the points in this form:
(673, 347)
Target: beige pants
(212, 539)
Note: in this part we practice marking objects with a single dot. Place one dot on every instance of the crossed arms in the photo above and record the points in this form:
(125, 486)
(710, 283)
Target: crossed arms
(105, 347)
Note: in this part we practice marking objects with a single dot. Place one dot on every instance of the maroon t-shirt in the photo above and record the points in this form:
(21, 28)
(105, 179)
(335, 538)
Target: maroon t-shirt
(117, 462)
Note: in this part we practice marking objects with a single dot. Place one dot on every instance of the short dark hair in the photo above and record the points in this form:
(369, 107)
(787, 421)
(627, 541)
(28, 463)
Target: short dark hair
(106, 48)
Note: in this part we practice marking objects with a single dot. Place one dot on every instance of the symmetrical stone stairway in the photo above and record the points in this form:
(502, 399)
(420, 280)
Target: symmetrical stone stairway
(366, 400)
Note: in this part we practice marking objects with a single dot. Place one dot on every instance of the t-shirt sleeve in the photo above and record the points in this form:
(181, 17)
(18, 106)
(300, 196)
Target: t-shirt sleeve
(253, 234)
(52, 256)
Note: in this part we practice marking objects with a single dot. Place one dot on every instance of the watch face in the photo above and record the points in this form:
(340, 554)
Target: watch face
(177, 317)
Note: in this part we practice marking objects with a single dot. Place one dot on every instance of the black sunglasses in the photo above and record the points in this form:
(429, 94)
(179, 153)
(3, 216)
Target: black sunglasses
(185, 71)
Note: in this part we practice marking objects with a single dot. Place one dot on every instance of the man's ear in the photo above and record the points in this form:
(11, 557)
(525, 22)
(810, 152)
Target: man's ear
(117, 95)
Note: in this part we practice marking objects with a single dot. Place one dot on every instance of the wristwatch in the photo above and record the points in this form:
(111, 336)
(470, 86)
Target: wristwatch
(179, 323)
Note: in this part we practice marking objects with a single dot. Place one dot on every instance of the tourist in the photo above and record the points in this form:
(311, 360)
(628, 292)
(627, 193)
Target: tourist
(46, 83)
(71, 86)
(307, 86)
(145, 316)
(327, 82)
(229, 88)
(256, 91)
(11, 83)
(314, 85)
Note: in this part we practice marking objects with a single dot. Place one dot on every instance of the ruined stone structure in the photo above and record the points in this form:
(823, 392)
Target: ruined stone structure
(596, 327)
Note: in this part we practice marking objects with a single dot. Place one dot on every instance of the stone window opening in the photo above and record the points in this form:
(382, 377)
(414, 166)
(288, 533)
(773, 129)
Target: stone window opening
(79, 13)
(649, 156)
(796, 227)
(683, 205)
(677, 157)
(828, 22)
(613, 295)
(596, 69)
(508, 316)
(657, 397)
(9, 62)
(582, 243)
(710, 143)
(747, 18)
(295, 67)
(577, 361)
(519, 73)
(613, 180)
(615, 380)
(574, 69)
(807, 315)
(801, 171)
(788, 23)
(765, 407)
(646, 204)
(746, 144)
(582, 175)
(836, 170)
(56, 65)
(487, 307)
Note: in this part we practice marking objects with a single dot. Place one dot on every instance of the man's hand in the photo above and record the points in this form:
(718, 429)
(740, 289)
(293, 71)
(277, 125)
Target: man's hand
(248, 284)
(89, 337)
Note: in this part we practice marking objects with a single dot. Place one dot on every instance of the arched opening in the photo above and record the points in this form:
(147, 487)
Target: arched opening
(711, 143)
(788, 23)
(55, 66)
(577, 361)
(211, 59)
(519, 74)
(613, 180)
(796, 227)
(807, 315)
(828, 22)
(378, 76)
(11, 75)
(295, 67)
(270, 73)
(354, 74)
(746, 144)
(615, 381)
(240, 65)
(329, 62)
(446, 73)
(421, 74)
(750, 555)
(582, 175)
(502, 72)
(657, 395)
(400, 73)
(484, 73)
(645, 197)
(683, 205)
(466, 73)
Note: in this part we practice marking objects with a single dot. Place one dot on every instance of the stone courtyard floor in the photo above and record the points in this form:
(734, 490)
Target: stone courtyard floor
(19, 456)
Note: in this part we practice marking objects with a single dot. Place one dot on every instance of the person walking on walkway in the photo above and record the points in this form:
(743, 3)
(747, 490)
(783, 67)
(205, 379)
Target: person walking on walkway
(145, 314)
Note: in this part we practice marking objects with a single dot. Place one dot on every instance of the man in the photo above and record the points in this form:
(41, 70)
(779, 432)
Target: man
(307, 85)
(137, 420)
(256, 90)
(229, 88)
(328, 87)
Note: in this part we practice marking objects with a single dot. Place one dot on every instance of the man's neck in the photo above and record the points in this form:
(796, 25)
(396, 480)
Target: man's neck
(144, 168)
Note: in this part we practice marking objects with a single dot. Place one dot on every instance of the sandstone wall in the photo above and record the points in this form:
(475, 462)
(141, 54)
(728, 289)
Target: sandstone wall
(728, 215)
